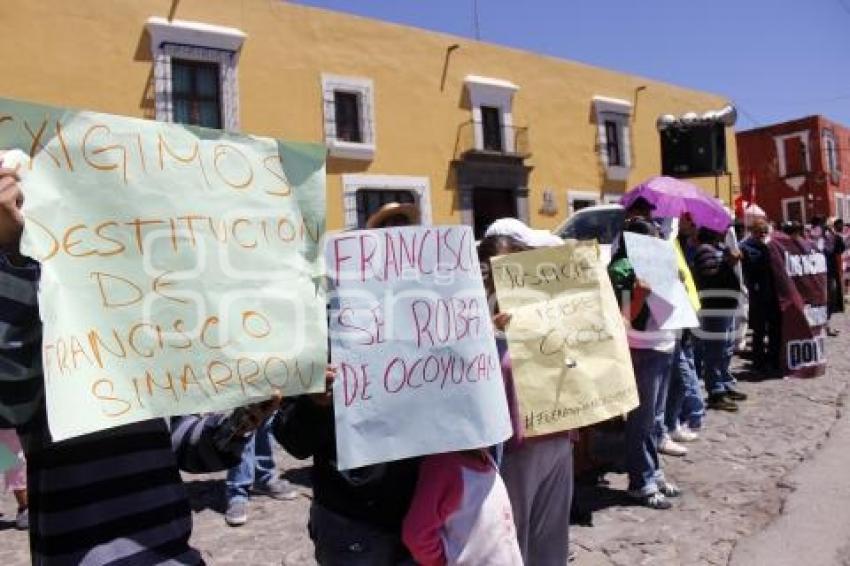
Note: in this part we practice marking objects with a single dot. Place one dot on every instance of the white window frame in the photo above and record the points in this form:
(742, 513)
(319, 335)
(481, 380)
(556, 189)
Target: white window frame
(364, 88)
(842, 206)
(574, 195)
(787, 201)
(496, 93)
(781, 158)
(196, 41)
(620, 112)
(419, 186)
(611, 198)
(830, 145)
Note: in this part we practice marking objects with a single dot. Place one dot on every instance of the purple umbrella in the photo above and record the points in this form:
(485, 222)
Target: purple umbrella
(672, 198)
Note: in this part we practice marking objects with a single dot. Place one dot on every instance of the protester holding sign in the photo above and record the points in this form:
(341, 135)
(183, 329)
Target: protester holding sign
(537, 470)
(652, 356)
(356, 515)
(136, 464)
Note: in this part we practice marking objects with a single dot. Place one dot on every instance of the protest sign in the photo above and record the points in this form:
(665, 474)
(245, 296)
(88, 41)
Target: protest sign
(180, 266)
(654, 261)
(569, 353)
(799, 273)
(418, 371)
(690, 284)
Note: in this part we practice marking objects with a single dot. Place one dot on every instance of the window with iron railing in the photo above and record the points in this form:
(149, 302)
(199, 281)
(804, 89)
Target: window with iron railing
(612, 142)
(196, 93)
(347, 116)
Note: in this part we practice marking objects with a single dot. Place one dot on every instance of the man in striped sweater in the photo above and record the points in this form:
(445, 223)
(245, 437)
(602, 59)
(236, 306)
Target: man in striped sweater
(114, 497)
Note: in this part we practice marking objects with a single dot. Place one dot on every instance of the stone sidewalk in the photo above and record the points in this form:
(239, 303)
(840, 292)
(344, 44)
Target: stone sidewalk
(735, 480)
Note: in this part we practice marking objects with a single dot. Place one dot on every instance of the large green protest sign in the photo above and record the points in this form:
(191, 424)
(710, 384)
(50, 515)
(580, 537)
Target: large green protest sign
(181, 266)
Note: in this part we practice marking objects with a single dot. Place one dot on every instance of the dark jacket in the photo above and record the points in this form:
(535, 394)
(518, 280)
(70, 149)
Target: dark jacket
(758, 276)
(379, 495)
(716, 280)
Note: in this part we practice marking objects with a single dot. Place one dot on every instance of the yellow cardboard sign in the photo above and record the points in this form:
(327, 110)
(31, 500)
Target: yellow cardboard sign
(570, 356)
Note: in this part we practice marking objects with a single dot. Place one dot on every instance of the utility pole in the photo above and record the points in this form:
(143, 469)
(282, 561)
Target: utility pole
(475, 21)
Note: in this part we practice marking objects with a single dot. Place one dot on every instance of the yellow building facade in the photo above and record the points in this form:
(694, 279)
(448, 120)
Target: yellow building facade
(468, 130)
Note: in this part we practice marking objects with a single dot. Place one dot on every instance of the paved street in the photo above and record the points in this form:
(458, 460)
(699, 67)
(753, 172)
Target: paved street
(737, 480)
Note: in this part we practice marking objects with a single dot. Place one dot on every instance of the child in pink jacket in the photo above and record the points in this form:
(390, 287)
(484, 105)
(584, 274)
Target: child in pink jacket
(460, 513)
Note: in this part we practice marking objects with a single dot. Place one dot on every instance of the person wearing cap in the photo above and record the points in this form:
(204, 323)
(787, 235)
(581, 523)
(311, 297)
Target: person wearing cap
(537, 471)
(356, 516)
(652, 352)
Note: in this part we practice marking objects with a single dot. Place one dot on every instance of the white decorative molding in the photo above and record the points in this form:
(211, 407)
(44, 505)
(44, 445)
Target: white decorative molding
(196, 41)
(574, 195)
(419, 186)
(618, 111)
(365, 91)
(194, 33)
(496, 93)
(611, 198)
(780, 150)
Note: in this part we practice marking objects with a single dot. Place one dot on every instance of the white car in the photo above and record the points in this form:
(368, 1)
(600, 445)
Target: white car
(602, 223)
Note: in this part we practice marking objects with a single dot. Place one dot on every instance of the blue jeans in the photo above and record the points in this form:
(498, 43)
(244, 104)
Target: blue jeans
(684, 397)
(256, 467)
(652, 373)
(717, 346)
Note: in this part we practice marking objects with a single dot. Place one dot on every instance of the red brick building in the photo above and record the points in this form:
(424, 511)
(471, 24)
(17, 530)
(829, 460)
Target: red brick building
(799, 168)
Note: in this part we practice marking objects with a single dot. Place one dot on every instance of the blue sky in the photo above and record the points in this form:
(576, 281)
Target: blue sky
(777, 59)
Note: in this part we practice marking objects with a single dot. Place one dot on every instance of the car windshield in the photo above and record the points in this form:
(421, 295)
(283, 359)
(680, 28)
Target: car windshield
(601, 225)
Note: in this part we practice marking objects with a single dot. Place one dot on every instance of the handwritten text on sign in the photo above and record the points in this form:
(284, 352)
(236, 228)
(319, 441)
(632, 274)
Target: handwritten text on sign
(414, 346)
(569, 354)
(179, 265)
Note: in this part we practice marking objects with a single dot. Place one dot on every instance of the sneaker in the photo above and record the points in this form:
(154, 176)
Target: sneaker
(684, 434)
(22, 521)
(735, 395)
(719, 402)
(277, 489)
(671, 448)
(656, 500)
(237, 513)
(669, 489)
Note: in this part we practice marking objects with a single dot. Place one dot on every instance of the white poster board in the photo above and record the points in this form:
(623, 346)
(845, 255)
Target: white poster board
(654, 261)
(411, 336)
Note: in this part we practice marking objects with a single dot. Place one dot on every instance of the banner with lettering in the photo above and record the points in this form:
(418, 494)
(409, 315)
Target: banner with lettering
(569, 352)
(411, 336)
(799, 272)
(181, 266)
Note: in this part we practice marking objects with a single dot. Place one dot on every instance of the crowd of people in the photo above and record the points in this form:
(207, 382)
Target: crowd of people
(116, 497)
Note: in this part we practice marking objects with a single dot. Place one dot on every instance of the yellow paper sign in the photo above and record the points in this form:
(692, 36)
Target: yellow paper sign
(568, 346)
(691, 287)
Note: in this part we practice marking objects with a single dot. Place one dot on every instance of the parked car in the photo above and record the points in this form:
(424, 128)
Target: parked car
(602, 223)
